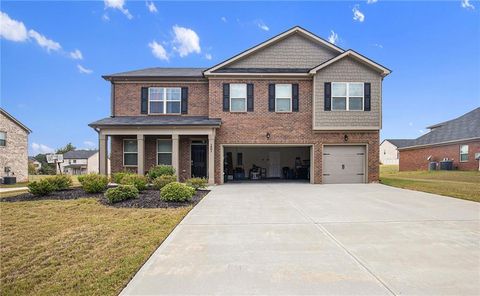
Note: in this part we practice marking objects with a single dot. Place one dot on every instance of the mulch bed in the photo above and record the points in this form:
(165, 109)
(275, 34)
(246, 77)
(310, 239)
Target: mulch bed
(146, 199)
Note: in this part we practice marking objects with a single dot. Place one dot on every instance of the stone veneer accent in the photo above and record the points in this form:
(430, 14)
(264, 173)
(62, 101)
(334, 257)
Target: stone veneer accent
(15, 153)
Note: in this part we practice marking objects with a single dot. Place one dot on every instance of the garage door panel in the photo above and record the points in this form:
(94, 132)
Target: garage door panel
(344, 164)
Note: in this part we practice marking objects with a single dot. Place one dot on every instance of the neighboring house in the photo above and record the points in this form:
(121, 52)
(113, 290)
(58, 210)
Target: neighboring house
(457, 140)
(389, 150)
(13, 147)
(79, 162)
(37, 165)
(294, 106)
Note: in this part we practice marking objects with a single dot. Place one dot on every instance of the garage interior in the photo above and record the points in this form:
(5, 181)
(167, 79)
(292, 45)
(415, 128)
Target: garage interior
(271, 163)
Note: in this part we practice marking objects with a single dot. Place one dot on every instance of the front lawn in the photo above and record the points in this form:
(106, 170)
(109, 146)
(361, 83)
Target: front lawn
(32, 178)
(77, 247)
(459, 184)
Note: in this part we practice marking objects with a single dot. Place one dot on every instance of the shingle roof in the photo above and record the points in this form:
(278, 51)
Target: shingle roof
(158, 72)
(262, 70)
(79, 154)
(464, 127)
(174, 120)
(399, 143)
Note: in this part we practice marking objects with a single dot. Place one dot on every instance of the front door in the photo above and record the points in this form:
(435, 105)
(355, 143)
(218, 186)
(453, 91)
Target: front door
(199, 160)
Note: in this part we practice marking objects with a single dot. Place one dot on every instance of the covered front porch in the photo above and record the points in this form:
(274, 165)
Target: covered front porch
(189, 149)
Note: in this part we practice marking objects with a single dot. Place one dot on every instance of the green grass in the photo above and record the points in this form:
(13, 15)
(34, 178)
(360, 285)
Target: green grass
(77, 247)
(459, 184)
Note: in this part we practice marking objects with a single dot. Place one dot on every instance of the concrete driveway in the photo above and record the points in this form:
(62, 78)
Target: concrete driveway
(302, 239)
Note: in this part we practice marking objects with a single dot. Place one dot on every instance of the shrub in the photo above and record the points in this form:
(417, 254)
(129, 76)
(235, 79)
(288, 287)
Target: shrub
(61, 182)
(93, 183)
(41, 188)
(140, 182)
(122, 192)
(117, 177)
(176, 191)
(163, 180)
(160, 170)
(197, 183)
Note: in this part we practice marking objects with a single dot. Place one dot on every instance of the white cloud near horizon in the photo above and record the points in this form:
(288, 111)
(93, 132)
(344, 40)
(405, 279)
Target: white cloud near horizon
(151, 6)
(467, 5)
(263, 26)
(76, 55)
(84, 70)
(158, 50)
(11, 29)
(185, 41)
(119, 5)
(333, 38)
(357, 14)
(41, 148)
(89, 144)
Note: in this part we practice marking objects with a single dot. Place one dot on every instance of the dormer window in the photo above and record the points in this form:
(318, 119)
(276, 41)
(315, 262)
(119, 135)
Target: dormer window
(164, 100)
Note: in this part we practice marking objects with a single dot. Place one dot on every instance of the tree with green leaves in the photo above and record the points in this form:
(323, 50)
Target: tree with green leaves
(67, 148)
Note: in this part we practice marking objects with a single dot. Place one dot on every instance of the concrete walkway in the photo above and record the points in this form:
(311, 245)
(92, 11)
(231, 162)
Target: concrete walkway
(302, 239)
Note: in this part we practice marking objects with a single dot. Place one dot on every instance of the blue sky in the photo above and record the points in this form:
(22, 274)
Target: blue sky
(54, 53)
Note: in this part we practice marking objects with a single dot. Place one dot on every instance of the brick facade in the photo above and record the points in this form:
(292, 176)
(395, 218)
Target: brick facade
(416, 159)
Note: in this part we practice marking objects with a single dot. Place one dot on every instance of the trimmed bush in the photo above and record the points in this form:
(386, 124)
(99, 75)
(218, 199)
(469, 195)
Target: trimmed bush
(160, 170)
(61, 182)
(176, 191)
(140, 182)
(117, 177)
(93, 183)
(41, 188)
(197, 183)
(122, 192)
(163, 180)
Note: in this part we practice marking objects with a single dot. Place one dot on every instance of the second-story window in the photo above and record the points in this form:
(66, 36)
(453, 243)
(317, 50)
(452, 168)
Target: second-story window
(283, 98)
(238, 97)
(164, 100)
(347, 96)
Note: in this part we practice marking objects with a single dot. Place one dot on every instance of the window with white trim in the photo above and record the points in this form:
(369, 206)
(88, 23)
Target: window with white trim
(463, 153)
(238, 97)
(283, 98)
(164, 151)
(3, 139)
(164, 100)
(347, 96)
(130, 152)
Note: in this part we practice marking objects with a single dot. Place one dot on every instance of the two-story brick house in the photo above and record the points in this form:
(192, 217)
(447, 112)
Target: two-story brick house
(294, 106)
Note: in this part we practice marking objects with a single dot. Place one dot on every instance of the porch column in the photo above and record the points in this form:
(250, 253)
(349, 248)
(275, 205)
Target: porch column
(211, 158)
(175, 155)
(141, 154)
(102, 154)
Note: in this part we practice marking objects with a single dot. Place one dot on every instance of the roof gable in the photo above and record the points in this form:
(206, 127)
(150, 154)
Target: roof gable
(16, 121)
(295, 48)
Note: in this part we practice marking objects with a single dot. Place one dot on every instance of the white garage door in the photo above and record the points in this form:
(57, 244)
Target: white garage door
(343, 164)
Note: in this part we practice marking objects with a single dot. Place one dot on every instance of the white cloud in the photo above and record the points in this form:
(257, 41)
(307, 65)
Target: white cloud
(11, 29)
(371, 1)
(185, 41)
(378, 45)
(84, 70)
(41, 148)
(158, 51)
(76, 55)
(118, 4)
(466, 4)
(44, 42)
(151, 7)
(208, 56)
(421, 131)
(89, 144)
(357, 14)
(263, 26)
(333, 38)
(224, 19)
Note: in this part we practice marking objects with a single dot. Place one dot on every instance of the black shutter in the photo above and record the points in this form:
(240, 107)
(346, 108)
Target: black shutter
(184, 100)
(250, 97)
(226, 97)
(271, 97)
(144, 101)
(328, 96)
(295, 97)
(367, 96)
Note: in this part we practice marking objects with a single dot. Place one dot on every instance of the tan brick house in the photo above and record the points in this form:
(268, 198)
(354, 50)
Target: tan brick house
(293, 107)
(13, 147)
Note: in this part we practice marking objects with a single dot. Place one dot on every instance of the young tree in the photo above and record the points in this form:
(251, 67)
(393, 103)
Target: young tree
(67, 148)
